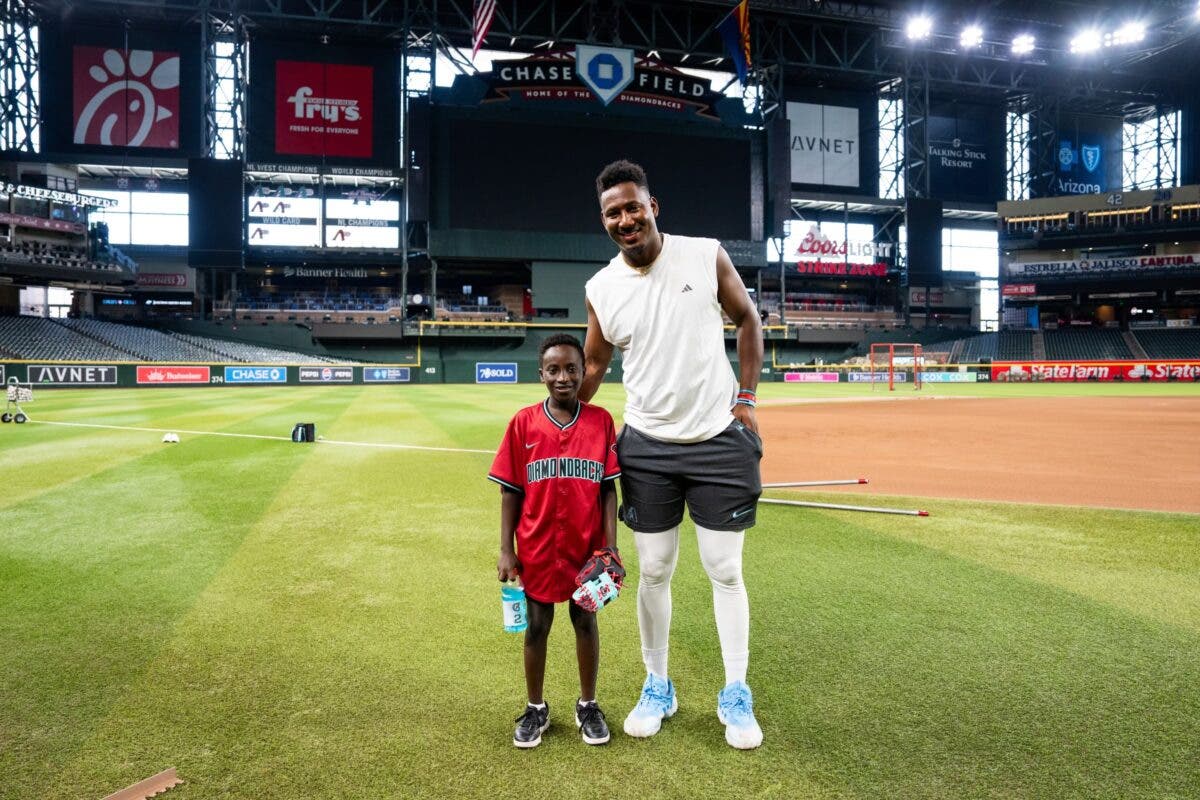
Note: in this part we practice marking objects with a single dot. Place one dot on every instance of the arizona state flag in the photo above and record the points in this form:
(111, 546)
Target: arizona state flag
(735, 31)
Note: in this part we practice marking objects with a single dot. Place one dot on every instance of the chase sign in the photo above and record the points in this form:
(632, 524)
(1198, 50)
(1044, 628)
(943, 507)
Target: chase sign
(604, 70)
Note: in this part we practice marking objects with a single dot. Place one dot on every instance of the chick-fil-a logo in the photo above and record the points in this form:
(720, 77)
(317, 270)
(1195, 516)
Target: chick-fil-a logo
(126, 98)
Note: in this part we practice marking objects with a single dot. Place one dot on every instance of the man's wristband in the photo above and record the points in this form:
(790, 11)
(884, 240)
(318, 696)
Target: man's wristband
(746, 397)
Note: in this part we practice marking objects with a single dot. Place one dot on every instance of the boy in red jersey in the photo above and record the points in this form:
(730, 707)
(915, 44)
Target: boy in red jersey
(557, 468)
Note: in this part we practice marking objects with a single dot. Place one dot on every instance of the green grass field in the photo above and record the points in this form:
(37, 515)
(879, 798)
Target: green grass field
(322, 621)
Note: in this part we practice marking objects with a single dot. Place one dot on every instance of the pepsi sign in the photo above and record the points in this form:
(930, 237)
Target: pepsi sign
(327, 374)
(495, 373)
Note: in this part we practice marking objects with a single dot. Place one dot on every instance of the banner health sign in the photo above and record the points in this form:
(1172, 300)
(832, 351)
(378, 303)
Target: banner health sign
(330, 107)
(966, 152)
(256, 374)
(385, 375)
(134, 91)
(1088, 155)
(495, 372)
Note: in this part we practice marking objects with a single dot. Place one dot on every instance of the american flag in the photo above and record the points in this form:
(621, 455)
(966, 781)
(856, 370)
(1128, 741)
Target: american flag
(484, 11)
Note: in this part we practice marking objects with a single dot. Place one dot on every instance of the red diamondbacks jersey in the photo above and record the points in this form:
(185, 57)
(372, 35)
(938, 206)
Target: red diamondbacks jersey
(558, 469)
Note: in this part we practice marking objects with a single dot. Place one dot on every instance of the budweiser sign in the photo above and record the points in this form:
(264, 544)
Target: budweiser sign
(163, 375)
(165, 279)
(1068, 371)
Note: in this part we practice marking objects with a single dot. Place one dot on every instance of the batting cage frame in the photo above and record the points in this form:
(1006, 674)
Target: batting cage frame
(899, 357)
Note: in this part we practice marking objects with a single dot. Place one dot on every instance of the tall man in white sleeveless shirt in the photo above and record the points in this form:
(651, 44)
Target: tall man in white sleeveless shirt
(690, 435)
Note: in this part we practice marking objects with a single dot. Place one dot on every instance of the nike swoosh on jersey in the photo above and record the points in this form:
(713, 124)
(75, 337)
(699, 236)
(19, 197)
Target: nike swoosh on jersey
(742, 513)
(530, 445)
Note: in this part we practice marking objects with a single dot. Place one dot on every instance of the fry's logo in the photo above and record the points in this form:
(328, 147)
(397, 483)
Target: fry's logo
(330, 109)
(126, 98)
(324, 109)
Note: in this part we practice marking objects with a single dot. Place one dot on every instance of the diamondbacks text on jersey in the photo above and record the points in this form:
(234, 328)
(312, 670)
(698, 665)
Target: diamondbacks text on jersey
(558, 468)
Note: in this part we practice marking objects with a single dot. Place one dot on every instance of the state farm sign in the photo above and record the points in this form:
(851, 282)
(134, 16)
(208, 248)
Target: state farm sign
(164, 375)
(1068, 371)
(323, 109)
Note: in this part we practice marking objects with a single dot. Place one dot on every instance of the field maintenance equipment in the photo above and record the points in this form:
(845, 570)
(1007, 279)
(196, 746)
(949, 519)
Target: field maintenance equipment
(16, 394)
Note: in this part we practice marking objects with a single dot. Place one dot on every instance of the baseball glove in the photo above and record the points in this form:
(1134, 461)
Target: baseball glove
(606, 559)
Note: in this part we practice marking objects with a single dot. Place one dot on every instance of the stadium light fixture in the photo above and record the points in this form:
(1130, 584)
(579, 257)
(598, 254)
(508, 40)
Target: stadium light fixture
(971, 36)
(1023, 44)
(1129, 33)
(1087, 41)
(919, 27)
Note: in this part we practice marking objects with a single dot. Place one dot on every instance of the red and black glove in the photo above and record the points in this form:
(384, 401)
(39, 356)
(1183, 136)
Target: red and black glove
(606, 559)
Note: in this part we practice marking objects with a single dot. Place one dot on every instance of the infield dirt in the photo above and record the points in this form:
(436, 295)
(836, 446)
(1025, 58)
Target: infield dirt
(1112, 452)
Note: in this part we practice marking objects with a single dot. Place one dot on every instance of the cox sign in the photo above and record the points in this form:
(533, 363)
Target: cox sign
(505, 372)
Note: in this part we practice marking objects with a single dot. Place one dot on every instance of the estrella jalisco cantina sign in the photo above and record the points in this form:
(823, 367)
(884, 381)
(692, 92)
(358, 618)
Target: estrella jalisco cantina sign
(608, 74)
(1069, 371)
(1085, 266)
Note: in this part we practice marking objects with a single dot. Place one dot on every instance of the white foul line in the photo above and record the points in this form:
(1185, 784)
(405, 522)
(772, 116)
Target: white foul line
(262, 436)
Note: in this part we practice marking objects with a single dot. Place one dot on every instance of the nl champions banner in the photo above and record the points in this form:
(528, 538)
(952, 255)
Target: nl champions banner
(504, 372)
(256, 374)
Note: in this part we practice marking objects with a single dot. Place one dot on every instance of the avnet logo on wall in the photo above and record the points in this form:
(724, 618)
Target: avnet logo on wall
(73, 375)
(495, 373)
(824, 144)
(256, 374)
(323, 109)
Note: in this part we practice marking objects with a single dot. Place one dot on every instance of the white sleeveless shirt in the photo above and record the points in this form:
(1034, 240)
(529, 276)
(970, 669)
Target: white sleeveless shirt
(667, 324)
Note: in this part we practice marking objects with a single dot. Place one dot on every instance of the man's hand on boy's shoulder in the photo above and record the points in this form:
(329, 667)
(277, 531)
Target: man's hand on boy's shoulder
(508, 568)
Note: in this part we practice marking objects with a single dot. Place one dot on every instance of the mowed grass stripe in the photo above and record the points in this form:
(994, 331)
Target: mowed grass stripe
(1144, 563)
(95, 574)
(921, 674)
(882, 668)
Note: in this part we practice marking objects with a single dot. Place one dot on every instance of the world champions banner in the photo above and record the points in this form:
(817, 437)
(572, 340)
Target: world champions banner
(322, 108)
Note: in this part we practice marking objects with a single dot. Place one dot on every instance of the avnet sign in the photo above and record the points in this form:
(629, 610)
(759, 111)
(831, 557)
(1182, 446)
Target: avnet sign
(824, 144)
(72, 375)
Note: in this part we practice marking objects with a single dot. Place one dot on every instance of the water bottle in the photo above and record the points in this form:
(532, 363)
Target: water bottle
(516, 613)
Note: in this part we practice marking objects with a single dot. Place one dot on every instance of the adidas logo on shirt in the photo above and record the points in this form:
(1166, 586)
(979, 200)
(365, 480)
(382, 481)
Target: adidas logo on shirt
(687, 287)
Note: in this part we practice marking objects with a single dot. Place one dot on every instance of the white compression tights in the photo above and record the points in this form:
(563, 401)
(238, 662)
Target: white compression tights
(721, 555)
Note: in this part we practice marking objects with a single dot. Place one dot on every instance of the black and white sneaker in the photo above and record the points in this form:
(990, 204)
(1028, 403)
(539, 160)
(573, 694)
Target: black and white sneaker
(531, 725)
(590, 721)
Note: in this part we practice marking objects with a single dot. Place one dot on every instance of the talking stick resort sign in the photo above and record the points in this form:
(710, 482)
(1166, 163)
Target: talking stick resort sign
(609, 74)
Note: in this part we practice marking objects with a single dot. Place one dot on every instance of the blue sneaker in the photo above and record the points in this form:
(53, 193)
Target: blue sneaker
(735, 709)
(657, 702)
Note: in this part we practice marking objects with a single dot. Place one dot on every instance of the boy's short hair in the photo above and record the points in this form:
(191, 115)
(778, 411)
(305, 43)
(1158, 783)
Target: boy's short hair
(559, 339)
(621, 172)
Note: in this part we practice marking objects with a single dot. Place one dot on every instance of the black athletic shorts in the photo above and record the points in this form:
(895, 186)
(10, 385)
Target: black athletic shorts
(717, 478)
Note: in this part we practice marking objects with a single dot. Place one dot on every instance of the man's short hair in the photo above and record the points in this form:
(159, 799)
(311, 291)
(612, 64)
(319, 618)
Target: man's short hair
(559, 339)
(621, 172)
